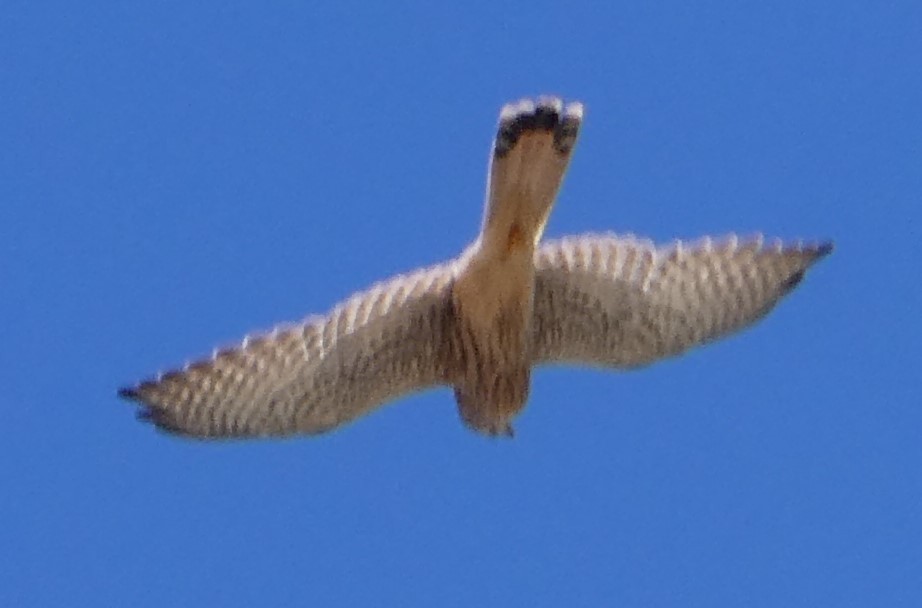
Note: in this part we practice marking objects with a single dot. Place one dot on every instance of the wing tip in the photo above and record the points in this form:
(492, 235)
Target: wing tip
(129, 393)
(815, 252)
(138, 393)
(149, 413)
(823, 248)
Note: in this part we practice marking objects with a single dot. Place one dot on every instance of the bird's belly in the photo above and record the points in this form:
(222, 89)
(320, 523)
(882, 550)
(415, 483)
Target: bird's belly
(493, 310)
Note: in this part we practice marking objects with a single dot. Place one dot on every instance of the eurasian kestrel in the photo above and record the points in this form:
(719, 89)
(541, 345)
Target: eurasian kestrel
(480, 322)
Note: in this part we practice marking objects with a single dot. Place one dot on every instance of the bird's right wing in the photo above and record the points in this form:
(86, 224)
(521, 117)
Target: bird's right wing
(311, 377)
(623, 302)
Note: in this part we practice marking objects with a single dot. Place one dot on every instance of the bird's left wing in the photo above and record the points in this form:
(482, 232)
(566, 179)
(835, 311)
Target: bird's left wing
(311, 377)
(623, 302)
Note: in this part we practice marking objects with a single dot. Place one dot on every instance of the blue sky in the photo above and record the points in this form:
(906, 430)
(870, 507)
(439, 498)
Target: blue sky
(174, 175)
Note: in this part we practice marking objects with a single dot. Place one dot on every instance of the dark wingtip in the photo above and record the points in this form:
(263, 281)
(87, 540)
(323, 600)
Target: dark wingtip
(129, 393)
(161, 421)
(819, 251)
(823, 249)
(149, 415)
(793, 281)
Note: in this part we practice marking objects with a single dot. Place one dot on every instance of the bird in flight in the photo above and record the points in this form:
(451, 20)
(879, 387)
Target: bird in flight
(479, 323)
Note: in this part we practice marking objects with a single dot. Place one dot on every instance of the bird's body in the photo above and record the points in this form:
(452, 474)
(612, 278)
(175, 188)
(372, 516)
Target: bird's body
(491, 301)
(493, 294)
(481, 322)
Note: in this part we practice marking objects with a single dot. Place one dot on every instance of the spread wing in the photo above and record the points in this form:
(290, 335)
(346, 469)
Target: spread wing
(311, 377)
(622, 302)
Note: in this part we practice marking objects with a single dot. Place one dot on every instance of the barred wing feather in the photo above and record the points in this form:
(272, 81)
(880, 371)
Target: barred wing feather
(623, 302)
(314, 376)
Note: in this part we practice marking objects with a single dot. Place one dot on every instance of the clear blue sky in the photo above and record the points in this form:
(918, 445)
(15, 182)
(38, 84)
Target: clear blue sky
(174, 175)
